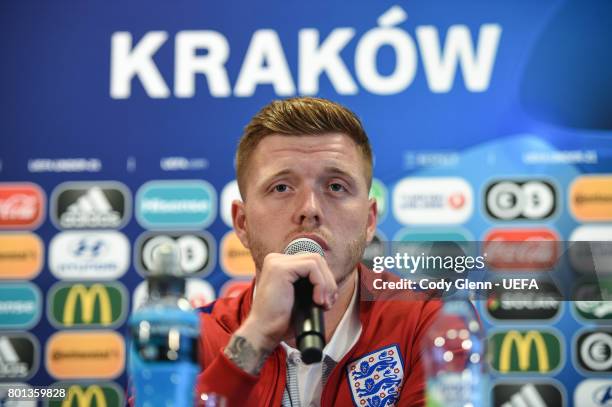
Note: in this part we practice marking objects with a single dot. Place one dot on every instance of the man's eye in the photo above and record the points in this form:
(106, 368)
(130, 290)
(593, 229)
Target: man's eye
(280, 188)
(335, 187)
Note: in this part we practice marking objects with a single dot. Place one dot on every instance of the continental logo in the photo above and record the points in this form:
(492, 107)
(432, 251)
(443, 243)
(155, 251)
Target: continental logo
(98, 395)
(526, 351)
(85, 355)
(22, 205)
(87, 305)
(21, 256)
(590, 198)
(236, 259)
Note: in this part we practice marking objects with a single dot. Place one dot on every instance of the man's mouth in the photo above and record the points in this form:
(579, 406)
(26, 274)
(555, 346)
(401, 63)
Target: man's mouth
(318, 239)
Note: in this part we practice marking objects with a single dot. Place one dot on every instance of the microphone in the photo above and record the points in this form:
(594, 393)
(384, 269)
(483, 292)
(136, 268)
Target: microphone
(307, 317)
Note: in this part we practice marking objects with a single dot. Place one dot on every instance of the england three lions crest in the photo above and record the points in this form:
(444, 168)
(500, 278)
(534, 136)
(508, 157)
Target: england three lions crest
(376, 378)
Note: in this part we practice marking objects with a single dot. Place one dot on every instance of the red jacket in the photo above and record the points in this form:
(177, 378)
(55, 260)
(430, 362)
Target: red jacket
(389, 343)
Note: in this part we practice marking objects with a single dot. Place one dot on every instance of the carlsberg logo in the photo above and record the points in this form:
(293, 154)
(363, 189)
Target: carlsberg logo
(206, 52)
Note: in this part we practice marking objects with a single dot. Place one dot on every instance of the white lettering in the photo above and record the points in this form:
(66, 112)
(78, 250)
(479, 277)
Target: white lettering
(440, 65)
(264, 63)
(127, 62)
(316, 59)
(212, 65)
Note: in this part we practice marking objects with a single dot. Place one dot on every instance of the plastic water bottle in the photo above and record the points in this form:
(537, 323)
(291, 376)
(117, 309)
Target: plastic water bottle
(163, 363)
(455, 358)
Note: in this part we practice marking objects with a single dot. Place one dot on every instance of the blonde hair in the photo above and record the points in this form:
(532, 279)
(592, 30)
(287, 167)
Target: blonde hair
(298, 117)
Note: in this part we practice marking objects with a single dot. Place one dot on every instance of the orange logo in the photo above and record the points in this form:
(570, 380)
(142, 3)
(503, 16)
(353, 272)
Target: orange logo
(21, 256)
(85, 355)
(591, 198)
(22, 205)
(235, 258)
(521, 249)
(234, 288)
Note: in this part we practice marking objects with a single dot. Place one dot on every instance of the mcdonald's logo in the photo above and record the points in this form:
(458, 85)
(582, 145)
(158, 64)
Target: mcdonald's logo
(87, 305)
(98, 395)
(525, 351)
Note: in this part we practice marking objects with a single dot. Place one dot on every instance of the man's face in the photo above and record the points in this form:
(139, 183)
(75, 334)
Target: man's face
(307, 186)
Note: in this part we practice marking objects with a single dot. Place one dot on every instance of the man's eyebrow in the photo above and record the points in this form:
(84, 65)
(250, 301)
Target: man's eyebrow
(277, 174)
(339, 171)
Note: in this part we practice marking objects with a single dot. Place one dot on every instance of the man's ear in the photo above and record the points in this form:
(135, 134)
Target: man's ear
(240, 222)
(372, 219)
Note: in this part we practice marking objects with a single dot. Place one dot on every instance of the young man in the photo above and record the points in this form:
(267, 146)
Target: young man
(304, 169)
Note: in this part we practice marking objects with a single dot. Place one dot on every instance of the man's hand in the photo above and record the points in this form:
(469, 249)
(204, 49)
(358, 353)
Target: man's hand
(270, 317)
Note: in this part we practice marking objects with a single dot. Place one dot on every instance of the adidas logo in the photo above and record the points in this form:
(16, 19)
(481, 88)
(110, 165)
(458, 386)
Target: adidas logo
(79, 205)
(10, 364)
(91, 210)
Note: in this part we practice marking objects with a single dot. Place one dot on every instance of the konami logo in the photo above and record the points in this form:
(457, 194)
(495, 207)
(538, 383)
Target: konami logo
(521, 249)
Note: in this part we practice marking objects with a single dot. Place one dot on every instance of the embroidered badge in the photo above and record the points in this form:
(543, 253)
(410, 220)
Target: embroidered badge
(376, 378)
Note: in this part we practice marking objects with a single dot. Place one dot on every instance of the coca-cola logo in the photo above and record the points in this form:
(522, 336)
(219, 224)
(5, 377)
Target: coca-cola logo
(21, 206)
(521, 249)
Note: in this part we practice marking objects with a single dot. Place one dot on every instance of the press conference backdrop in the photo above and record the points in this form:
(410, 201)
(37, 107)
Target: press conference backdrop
(119, 122)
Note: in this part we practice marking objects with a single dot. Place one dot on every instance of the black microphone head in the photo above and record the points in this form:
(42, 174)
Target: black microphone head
(304, 245)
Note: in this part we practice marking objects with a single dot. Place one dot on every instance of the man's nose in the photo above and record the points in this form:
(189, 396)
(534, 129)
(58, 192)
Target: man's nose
(308, 209)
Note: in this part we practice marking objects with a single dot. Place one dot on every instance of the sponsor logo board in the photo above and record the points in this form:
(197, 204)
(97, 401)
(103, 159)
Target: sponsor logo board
(590, 198)
(19, 356)
(197, 251)
(378, 191)
(590, 250)
(85, 355)
(593, 393)
(432, 201)
(236, 259)
(90, 205)
(521, 249)
(89, 395)
(198, 292)
(530, 199)
(229, 193)
(20, 305)
(524, 305)
(21, 256)
(22, 205)
(526, 351)
(188, 204)
(594, 301)
(92, 305)
(95, 255)
(14, 402)
(594, 351)
(537, 393)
